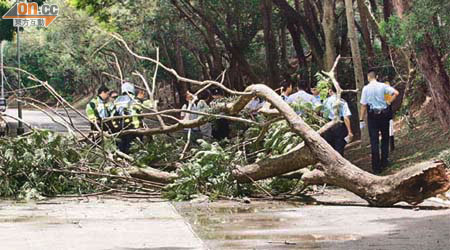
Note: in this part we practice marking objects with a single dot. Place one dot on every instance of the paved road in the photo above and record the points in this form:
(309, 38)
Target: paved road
(85, 224)
(39, 119)
(337, 220)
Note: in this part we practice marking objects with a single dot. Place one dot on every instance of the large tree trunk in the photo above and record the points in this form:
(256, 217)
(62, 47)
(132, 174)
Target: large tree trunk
(356, 55)
(299, 157)
(329, 28)
(387, 12)
(283, 47)
(181, 86)
(411, 185)
(365, 29)
(269, 41)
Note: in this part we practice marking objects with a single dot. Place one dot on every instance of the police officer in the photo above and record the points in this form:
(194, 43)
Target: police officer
(97, 109)
(337, 136)
(220, 127)
(302, 96)
(126, 105)
(112, 97)
(373, 103)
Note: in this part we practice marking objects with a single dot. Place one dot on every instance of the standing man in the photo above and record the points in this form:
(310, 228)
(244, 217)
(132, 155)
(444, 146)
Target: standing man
(220, 127)
(125, 105)
(337, 136)
(302, 96)
(97, 109)
(374, 104)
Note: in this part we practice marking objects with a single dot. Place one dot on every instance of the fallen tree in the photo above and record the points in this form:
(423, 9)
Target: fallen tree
(411, 185)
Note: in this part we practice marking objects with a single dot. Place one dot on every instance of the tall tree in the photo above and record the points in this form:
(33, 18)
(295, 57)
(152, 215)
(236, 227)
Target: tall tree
(269, 41)
(365, 28)
(329, 28)
(356, 54)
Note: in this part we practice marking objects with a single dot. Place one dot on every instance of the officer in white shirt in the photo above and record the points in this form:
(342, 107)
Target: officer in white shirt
(302, 96)
(373, 103)
(337, 136)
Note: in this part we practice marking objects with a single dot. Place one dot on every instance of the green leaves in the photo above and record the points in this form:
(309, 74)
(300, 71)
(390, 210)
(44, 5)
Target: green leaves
(208, 172)
(6, 25)
(40, 164)
(424, 17)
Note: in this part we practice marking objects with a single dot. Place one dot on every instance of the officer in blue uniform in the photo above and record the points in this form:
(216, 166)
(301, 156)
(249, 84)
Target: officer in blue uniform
(336, 137)
(374, 104)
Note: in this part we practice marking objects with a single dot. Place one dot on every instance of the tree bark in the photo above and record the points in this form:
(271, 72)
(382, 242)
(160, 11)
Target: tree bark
(181, 86)
(365, 29)
(298, 158)
(270, 48)
(356, 54)
(283, 46)
(329, 28)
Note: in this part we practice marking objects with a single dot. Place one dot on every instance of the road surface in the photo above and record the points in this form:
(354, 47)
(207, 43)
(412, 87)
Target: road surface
(39, 119)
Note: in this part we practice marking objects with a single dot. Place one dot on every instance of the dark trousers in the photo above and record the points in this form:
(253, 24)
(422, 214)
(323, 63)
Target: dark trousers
(379, 123)
(336, 138)
(124, 143)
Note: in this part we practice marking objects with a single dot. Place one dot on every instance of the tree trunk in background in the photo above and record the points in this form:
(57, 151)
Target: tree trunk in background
(356, 55)
(373, 5)
(329, 28)
(432, 67)
(365, 29)
(387, 12)
(181, 86)
(273, 78)
(299, 20)
(297, 43)
(313, 17)
(217, 66)
(297, 5)
(375, 28)
(283, 47)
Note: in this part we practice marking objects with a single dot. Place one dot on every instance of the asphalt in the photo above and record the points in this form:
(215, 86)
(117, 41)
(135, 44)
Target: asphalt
(39, 119)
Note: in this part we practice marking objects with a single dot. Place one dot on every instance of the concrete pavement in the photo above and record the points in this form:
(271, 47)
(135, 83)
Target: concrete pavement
(82, 224)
